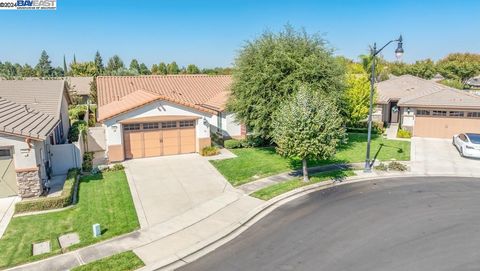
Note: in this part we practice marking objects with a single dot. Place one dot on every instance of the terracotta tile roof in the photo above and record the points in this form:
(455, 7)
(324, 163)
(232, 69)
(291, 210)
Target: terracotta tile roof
(202, 92)
(410, 90)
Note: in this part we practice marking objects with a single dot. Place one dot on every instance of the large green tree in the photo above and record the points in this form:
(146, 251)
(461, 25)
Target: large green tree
(44, 66)
(99, 63)
(143, 69)
(460, 66)
(173, 68)
(271, 68)
(357, 98)
(423, 68)
(115, 63)
(307, 126)
(192, 69)
(83, 69)
(134, 65)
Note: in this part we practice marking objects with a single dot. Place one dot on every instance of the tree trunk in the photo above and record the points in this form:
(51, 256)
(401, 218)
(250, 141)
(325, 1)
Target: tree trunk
(305, 170)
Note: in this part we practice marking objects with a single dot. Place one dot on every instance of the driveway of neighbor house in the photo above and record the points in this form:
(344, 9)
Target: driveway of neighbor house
(169, 186)
(439, 156)
(7, 206)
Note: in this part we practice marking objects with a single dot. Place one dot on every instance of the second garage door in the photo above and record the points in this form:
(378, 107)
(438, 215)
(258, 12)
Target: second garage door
(444, 127)
(159, 138)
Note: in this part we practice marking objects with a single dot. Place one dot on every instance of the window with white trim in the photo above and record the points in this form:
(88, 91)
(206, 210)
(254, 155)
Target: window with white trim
(187, 123)
(473, 114)
(169, 124)
(131, 127)
(439, 113)
(150, 125)
(5, 153)
(456, 113)
(423, 112)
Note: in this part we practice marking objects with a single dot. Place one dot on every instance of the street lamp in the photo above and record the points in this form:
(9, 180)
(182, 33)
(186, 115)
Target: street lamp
(374, 53)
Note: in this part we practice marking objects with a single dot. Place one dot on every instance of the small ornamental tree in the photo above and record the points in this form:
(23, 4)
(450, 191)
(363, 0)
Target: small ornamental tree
(308, 126)
(357, 98)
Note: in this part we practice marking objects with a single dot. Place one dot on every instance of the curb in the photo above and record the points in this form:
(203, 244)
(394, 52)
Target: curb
(200, 249)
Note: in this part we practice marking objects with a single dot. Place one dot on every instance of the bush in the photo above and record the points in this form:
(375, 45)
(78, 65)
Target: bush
(394, 165)
(254, 141)
(210, 151)
(232, 144)
(115, 167)
(362, 127)
(45, 203)
(77, 128)
(77, 112)
(404, 133)
(381, 167)
(87, 164)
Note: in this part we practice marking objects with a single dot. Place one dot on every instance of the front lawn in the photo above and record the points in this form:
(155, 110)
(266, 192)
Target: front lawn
(283, 187)
(126, 261)
(255, 163)
(103, 198)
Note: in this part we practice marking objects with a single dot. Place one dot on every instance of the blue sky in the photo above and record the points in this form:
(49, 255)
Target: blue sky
(210, 33)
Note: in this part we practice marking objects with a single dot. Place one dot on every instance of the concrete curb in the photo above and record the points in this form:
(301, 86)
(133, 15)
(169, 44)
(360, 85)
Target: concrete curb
(206, 246)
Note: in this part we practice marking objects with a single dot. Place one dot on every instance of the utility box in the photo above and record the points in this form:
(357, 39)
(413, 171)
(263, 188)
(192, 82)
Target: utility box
(96, 230)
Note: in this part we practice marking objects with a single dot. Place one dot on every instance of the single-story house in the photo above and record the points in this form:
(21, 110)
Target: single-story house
(427, 108)
(80, 86)
(33, 116)
(157, 115)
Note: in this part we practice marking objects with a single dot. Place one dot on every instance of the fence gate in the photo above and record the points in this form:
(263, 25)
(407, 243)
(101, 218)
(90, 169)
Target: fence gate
(64, 157)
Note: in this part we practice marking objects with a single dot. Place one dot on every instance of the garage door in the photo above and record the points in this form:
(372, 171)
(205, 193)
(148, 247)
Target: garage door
(444, 127)
(159, 138)
(8, 178)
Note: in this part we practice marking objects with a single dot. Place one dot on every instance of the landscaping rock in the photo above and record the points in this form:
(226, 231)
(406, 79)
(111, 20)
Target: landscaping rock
(41, 248)
(68, 240)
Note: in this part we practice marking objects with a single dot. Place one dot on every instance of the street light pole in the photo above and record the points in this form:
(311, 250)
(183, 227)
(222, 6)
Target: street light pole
(374, 53)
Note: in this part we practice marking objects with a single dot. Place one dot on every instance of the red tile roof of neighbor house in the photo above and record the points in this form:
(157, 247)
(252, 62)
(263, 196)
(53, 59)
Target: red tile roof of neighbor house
(119, 94)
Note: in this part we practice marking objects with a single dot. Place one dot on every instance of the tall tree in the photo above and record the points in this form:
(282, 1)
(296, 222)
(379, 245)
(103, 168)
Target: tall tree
(65, 70)
(99, 63)
(74, 59)
(154, 69)
(460, 66)
(308, 126)
(192, 69)
(28, 71)
(83, 69)
(134, 66)
(162, 68)
(422, 68)
(144, 69)
(173, 68)
(357, 97)
(115, 63)
(44, 66)
(271, 68)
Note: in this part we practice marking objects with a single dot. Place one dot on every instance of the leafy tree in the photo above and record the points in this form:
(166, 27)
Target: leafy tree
(8, 70)
(155, 69)
(162, 68)
(423, 68)
(460, 66)
(397, 68)
(271, 68)
(192, 69)
(99, 63)
(357, 97)
(453, 83)
(217, 71)
(44, 66)
(65, 70)
(93, 91)
(58, 72)
(74, 59)
(308, 126)
(115, 63)
(83, 69)
(134, 65)
(144, 69)
(173, 68)
(381, 71)
(28, 71)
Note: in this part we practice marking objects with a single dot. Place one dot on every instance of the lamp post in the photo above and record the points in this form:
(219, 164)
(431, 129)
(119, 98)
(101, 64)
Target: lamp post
(374, 53)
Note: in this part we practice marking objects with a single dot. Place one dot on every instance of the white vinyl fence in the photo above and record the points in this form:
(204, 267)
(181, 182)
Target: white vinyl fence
(66, 156)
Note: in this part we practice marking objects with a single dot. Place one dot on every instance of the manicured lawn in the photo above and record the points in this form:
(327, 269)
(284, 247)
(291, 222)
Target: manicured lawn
(125, 261)
(103, 198)
(255, 163)
(280, 188)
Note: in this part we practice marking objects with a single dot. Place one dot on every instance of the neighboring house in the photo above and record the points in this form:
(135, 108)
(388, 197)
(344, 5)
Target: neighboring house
(80, 86)
(33, 117)
(147, 116)
(437, 78)
(427, 108)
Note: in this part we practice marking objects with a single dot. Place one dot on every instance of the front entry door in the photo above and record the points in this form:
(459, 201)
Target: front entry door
(394, 112)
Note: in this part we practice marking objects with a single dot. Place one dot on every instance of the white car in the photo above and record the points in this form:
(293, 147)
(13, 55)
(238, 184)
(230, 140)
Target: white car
(467, 144)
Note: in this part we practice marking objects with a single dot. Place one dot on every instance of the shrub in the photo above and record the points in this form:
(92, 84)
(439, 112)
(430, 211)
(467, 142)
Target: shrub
(45, 203)
(381, 167)
(77, 128)
(77, 112)
(394, 165)
(115, 167)
(362, 127)
(232, 144)
(254, 141)
(404, 133)
(87, 164)
(210, 151)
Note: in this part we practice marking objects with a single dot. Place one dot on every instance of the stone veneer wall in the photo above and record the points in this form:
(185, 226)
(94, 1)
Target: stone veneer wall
(29, 183)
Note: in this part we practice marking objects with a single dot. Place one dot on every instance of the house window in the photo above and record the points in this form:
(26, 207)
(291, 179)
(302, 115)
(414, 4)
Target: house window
(473, 114)
(169, 124)
(439, 113)
(150, 125)
(187, 123)
(422, 112)
(456, 113)
(4, 153)
(130, 127)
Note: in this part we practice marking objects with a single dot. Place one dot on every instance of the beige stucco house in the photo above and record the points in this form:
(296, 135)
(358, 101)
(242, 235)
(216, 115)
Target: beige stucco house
(33, 117)
(156, 115)
(427, 108)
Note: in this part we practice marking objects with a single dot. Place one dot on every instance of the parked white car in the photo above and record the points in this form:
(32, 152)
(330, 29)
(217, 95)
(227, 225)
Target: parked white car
(467, 144)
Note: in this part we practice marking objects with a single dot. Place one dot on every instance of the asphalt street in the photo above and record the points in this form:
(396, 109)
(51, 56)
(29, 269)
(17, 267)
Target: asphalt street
(427, 223)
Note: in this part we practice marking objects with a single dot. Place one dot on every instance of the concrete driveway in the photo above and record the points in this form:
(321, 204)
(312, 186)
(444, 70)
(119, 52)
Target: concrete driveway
(439, 156)
(166, 187)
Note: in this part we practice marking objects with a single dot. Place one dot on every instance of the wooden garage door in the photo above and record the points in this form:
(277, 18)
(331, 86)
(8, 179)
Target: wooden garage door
(159, 138)
(444, 127)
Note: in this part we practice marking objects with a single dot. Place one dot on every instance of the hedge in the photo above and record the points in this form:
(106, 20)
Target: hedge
(44, 203)
(77, 127)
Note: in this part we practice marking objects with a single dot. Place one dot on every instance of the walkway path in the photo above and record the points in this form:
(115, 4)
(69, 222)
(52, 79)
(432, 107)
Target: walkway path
(7, 208)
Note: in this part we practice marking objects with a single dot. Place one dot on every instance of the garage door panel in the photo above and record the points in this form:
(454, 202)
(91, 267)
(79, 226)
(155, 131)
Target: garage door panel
(187, 137)
(152, 143)
(133, 144)
(171, 142)
(8, 177)
(444, 127)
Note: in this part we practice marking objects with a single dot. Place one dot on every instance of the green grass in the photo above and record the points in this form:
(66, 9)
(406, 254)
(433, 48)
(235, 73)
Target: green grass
(254, 163)
(125, 261)
(280, 188)
(103, 198)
